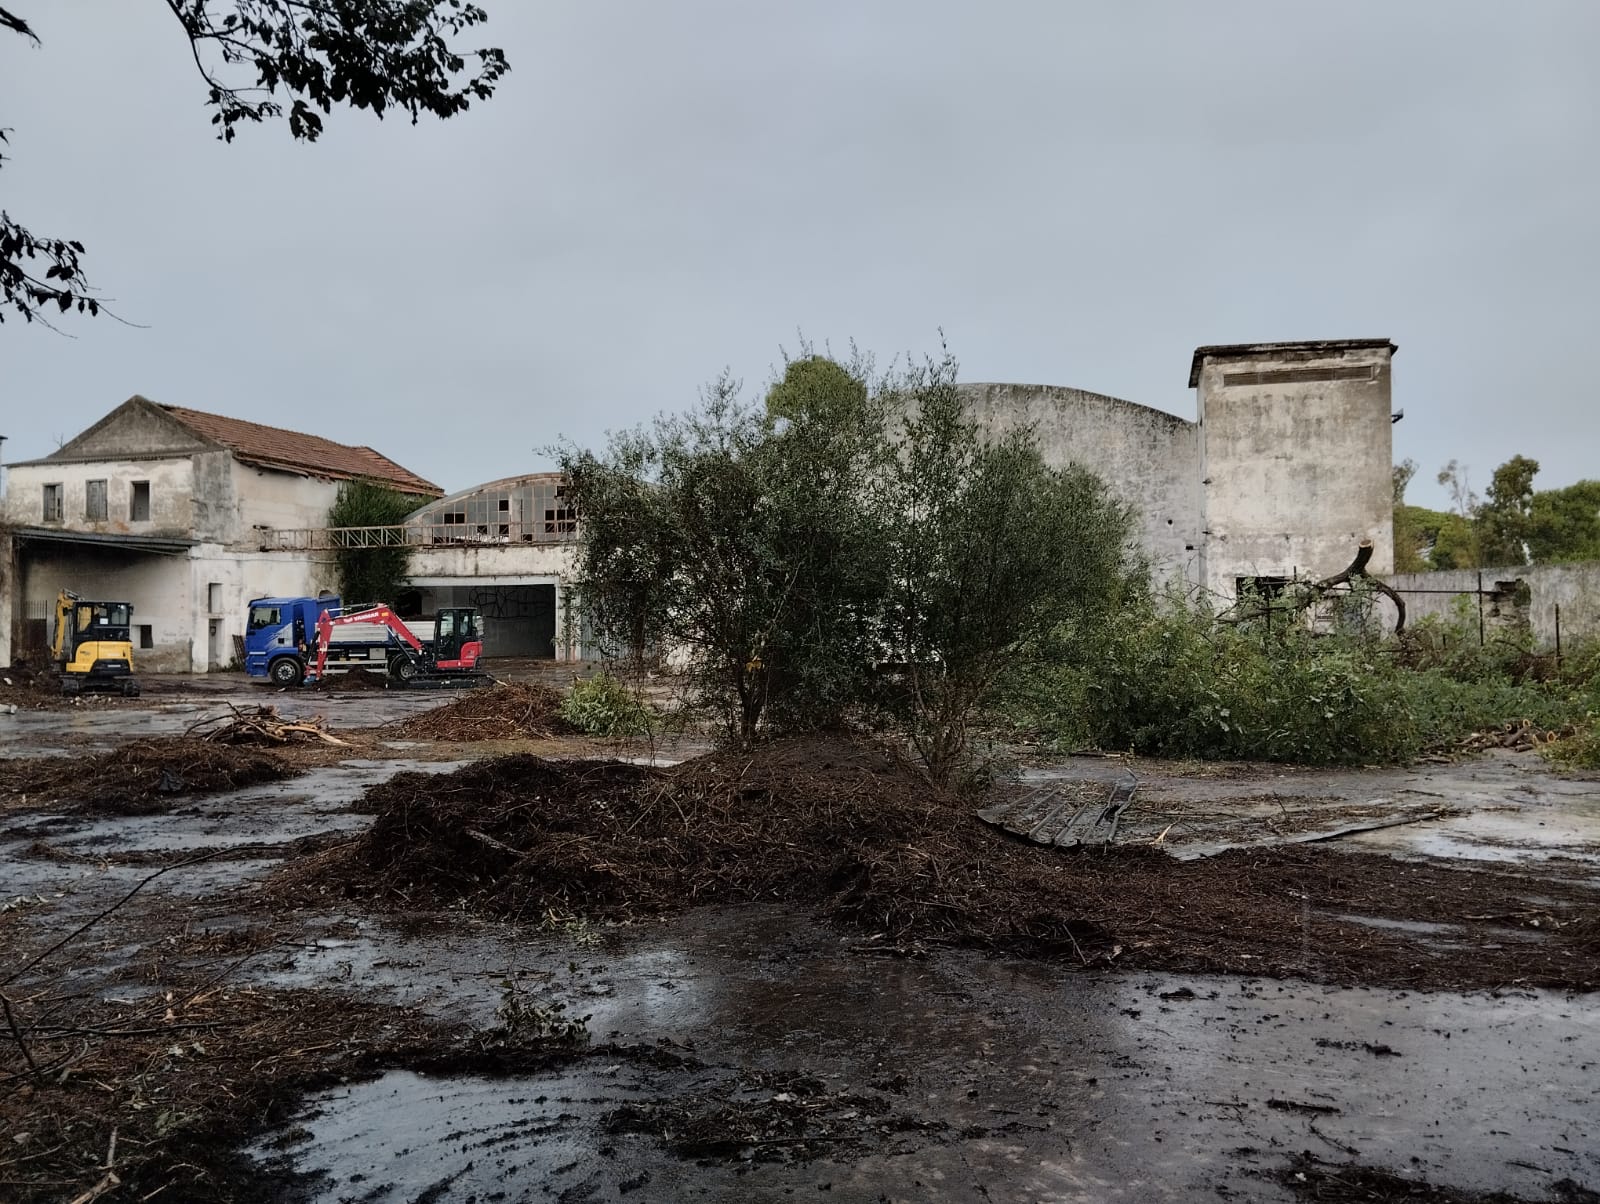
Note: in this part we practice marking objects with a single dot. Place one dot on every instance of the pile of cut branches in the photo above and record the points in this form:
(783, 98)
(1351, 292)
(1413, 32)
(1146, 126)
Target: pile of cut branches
(1524, 735)
(262, 726)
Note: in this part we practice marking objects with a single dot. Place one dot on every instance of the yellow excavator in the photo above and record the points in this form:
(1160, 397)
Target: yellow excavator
(92, 648)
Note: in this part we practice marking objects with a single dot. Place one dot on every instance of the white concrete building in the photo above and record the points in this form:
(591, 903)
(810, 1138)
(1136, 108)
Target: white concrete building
(172, 510)
(1285, 470)
(508, 548)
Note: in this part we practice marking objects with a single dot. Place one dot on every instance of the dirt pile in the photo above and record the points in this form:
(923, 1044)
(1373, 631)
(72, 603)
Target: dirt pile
(139, 777)
(852, 830)
(504, 711)
(350, 680)
(39, 689)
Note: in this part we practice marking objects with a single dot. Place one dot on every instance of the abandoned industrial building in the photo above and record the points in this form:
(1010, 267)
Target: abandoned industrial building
(1283, 471)
(167, 508)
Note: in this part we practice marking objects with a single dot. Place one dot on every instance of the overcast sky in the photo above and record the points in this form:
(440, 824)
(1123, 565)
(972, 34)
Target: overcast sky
(1077, 193)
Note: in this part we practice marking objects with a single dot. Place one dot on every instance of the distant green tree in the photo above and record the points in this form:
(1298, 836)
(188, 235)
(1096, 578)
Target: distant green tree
(1410, 543)
(1455, 544)
(1504, 517)
(1564, 524)
(370, 574)
(817, 387)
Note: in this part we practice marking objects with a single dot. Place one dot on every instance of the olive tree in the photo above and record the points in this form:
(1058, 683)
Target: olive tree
(738, 539)
(993, 551)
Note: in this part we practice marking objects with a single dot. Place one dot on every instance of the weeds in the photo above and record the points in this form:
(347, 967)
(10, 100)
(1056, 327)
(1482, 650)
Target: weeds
(522, 1020)
(1174, 680)
(604, 706)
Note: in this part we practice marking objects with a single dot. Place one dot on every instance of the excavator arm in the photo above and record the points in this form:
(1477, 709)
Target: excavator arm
(378, 614)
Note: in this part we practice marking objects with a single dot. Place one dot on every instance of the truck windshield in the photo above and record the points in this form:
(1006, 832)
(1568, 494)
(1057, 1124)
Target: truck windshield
(265, 616)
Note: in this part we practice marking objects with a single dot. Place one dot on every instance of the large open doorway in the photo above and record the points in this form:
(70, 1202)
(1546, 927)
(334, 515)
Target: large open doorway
(518, 620)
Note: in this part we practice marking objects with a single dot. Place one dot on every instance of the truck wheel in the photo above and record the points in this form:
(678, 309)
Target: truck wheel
(286, 671)
(71, 686)
(130, 688)
(402, 669)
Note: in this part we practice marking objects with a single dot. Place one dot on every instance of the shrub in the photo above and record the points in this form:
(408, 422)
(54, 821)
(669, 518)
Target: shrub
(604, 706)
(1170, 680)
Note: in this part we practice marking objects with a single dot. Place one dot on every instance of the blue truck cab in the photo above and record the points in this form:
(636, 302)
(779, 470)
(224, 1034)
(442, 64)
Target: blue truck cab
(279, 636)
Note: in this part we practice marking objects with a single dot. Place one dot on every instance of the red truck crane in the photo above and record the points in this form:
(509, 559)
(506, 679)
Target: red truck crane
(452, 654)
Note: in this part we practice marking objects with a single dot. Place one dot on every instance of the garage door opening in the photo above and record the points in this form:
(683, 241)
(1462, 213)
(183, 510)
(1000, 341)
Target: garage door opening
(518, 620)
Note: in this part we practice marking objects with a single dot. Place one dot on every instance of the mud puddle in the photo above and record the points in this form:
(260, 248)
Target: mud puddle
(59, 865)
(1004, 1079)
(47, 733)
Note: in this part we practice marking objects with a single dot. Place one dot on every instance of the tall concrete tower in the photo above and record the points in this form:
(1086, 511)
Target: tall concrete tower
(1296, 457)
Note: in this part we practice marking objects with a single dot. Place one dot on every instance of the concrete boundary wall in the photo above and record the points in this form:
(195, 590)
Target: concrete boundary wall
(1574, 588)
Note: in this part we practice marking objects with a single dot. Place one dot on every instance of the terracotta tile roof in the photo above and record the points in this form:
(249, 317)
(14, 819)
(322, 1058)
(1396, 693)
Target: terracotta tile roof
(290, 451)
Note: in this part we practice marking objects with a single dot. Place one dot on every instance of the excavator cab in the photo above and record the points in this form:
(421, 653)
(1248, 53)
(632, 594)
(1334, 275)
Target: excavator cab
(455, 628)
(93, 649)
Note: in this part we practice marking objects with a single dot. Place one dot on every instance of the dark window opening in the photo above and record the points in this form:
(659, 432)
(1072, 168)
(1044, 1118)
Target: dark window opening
(52, 503)
(139, 502)
(146, 636)
(561, 521)
(505, 503)
(455, 518)
(1262, 587)
(94, 501)
(505, 530)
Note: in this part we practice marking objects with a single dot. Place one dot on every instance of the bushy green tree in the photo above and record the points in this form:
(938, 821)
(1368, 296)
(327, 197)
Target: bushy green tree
(744, 544)
(992, 551)
(368, 575)
(1503, 518)
(1564, 524)
(854, 546)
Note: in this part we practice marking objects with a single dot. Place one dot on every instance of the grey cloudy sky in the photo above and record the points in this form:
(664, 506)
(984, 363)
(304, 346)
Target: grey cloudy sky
(1076, 193)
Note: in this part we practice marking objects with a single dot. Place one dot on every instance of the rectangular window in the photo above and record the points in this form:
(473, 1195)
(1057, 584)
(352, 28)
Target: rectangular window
(265, 616)
(214, 597)
(52, 503)
(146, 636)
(139, 502)
(94, 501)
(561, 521)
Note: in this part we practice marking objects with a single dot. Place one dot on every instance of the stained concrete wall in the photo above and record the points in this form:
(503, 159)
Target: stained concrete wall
(1574, 588)
(1149, 458)
(172, 493)
(1296, 455)
(278, 501)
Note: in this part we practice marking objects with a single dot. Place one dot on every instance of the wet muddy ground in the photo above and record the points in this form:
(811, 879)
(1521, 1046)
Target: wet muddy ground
(751, 1053)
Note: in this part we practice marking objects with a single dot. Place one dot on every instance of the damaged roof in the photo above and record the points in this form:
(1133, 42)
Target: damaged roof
(1304, 347)
(292, 451)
